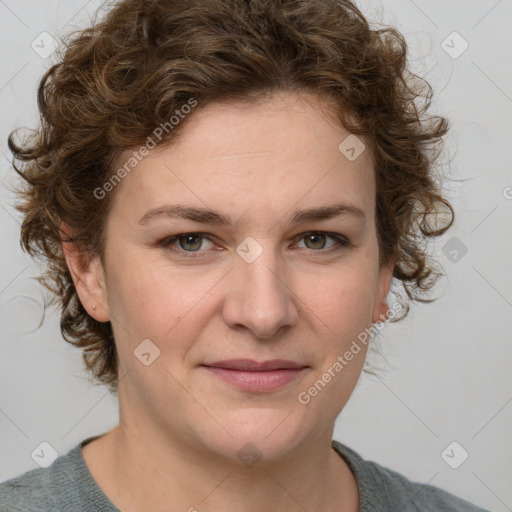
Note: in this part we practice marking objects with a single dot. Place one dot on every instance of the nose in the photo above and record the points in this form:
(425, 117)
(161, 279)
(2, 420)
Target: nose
(260, 296)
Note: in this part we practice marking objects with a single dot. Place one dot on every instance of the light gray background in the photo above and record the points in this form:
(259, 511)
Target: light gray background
(447, 376)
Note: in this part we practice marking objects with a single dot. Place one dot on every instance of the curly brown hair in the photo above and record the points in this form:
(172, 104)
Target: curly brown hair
(115, 81)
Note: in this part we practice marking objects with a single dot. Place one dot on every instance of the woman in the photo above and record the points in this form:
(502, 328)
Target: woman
(224, 191)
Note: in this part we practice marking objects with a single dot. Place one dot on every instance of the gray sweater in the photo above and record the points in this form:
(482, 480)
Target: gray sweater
(67, 486)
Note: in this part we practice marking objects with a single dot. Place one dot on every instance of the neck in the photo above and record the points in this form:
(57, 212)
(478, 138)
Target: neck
(140, 467)
(141, 474)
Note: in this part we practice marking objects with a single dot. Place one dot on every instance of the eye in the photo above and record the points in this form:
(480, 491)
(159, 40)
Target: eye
(316, 241)
(188, 242)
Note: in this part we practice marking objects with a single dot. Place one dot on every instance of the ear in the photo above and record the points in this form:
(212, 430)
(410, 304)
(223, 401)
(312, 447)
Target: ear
(380, 312)
(88, 276)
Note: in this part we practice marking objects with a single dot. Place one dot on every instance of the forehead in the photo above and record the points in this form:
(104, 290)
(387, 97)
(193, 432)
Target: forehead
(277, 153)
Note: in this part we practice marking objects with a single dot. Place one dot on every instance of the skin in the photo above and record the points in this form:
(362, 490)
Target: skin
(181, 427)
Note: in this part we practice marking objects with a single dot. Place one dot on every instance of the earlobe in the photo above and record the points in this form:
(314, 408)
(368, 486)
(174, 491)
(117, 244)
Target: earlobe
(88, 277)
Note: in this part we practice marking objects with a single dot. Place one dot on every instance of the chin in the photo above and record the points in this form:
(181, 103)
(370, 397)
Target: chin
(257, 433)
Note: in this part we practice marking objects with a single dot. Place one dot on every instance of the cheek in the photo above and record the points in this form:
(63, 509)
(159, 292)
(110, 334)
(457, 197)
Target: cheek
(154, 302)
(341, 310)
(343, 300)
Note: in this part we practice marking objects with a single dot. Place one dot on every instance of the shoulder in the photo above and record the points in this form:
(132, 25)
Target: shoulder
(65, 485)
(382, 488)
(36, 489)
(26, 492)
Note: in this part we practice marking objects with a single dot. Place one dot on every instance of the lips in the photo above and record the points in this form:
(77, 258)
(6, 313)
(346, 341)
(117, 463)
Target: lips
(249, 365)
(256, 377)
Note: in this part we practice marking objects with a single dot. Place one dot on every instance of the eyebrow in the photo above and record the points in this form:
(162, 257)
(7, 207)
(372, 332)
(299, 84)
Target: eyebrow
(207, 216)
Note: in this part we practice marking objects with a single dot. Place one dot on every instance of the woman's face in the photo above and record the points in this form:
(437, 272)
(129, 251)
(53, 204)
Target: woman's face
(271, 282)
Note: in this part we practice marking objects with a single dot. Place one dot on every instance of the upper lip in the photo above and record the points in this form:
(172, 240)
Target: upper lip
(250, 365)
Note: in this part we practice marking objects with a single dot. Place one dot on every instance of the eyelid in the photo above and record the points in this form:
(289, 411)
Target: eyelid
(341, 242)
(340, 239)
(167, 242)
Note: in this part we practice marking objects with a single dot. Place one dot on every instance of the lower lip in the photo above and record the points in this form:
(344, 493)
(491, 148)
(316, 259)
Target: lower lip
(256, 381)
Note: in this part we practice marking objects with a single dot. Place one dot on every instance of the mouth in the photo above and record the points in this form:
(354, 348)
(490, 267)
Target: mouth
(254, 376)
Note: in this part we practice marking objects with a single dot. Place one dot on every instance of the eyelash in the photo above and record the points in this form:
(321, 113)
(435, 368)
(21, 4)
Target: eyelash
(341, 241)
